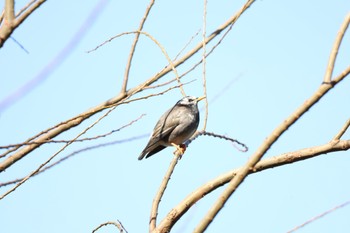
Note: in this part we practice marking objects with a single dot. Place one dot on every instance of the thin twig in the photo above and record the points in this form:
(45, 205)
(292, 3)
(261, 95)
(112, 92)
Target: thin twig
(166, 83)
(319, 216)
(42, 133)
(171, 64)
(25, 8)
(159, 195)
(65, 158)
(335, 49)
(210, 51)
(222, 91)
(186, 45)
(133, 47)
(343, 130)
(20, 45)
(78, 140)
(29, 11)
(204, 31)
(7, 29)
(255, 158)
(117, 224)
(156, 94)
(230, 26)
(54, 155)
(2, 16)
(160, 85)
(234, 141)
(37, 136)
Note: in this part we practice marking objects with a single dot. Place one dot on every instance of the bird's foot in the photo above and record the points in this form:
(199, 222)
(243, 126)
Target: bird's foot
(180, 150)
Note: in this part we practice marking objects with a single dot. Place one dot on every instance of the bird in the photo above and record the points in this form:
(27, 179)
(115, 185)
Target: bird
(174, 127)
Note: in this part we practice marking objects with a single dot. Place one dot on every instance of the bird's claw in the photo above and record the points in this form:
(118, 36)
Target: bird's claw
(180, 150)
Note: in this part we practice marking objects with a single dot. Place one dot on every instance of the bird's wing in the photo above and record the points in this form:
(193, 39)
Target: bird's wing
(165, 125)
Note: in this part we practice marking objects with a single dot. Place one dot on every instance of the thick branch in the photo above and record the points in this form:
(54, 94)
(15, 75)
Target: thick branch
(9, 12)
(7, 28)
(176, 213)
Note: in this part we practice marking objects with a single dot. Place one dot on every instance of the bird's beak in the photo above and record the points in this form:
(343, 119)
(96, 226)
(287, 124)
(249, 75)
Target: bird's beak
(200, 98)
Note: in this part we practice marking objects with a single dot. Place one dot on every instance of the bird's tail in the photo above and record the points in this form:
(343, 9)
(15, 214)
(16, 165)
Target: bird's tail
(142, 155)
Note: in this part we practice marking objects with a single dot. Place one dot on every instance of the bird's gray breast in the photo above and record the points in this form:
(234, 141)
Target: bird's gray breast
(188, 120)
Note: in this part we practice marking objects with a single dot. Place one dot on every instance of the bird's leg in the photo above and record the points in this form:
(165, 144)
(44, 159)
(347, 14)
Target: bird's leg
(180, 149)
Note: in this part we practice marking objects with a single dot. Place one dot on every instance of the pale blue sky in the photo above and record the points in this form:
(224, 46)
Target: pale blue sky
(277, 52)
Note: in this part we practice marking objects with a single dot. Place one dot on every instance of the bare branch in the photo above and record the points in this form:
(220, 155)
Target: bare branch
(234, 141)
(342, 75)
(156, 94)
(272, 162)
(78, 140)
(342, 131)
(156, 42)
(2, 15)
(319, 216)
(9, 12)
(159, 195)
(334, 52)
(204, 62)
(37, 136)
(161, 85)
(65, 158)
(25, 8)
(211, 50)
(186, 45)
(8, 27)
(117, 224)
(54, 155)
(133, 47)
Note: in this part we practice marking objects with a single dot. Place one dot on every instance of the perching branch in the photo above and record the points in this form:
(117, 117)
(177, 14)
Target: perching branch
(159, 195)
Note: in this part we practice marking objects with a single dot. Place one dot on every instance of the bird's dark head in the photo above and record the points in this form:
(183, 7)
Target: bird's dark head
(189, 100)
